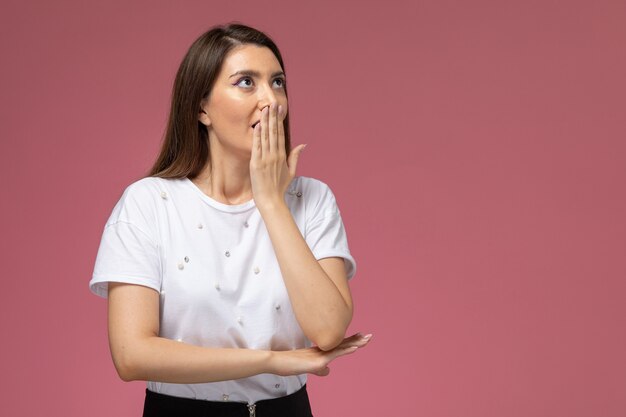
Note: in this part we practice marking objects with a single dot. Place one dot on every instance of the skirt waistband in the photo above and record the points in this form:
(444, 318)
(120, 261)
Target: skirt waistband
(162, 405)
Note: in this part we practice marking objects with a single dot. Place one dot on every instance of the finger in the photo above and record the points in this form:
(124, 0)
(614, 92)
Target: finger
(273, 132)
(323, 372)
(256, 143)
(338, 352)
(292, 161)
(357, 337)
(281, 129)
(357, 340)
(349, 341)
(265, 132)
(355, 343)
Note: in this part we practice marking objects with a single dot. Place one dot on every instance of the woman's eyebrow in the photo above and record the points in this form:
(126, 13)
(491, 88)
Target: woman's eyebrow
(255, 73)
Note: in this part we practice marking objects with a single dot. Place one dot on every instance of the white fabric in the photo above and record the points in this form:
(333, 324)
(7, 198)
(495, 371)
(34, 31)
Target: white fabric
(216, 271)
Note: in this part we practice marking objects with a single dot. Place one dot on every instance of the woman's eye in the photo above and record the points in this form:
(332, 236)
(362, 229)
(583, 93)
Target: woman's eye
(244, 85)
(247, 82)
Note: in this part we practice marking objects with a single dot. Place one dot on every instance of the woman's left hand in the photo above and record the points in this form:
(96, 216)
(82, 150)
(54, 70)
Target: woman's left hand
(271, 170)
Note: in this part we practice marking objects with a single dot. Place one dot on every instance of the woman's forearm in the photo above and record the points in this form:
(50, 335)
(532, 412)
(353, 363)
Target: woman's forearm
(321, 310)
(165, 360)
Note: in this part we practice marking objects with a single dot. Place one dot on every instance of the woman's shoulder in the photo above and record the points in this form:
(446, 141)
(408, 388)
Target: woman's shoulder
(145, 184)
(141, 198)
(151, 188)
(316, 194)
(310, 185)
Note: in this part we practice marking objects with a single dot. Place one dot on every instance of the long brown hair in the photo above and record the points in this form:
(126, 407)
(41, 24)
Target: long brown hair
(185, 149)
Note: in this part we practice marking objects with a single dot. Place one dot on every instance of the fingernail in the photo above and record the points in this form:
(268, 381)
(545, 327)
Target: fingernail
(280, 110)
(367, 336)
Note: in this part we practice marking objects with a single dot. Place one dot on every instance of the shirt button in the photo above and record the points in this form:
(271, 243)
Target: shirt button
(186, 258)
(163, 195)
(200, 226)
(245, 224)
(240, 320)
(256, 270)
(181, 266)
(277, 386)
(298, 194)
(225, 397)
(277, 307)
(217, 286)
(227, 254)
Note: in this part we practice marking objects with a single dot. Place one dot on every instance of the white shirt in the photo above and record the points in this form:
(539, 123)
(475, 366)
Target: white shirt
(216, 271)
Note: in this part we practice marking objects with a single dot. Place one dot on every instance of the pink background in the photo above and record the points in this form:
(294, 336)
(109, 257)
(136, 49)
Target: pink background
(477, 151)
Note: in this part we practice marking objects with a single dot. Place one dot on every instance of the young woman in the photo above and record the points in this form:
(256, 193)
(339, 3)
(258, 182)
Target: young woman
(226, 274)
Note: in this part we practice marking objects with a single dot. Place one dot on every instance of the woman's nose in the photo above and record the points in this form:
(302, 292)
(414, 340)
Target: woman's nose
(267, 96)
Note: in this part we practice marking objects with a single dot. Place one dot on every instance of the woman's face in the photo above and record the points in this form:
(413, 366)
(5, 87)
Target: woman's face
(250, 79)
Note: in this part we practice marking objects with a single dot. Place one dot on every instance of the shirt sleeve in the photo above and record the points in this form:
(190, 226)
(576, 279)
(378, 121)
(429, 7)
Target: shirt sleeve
(129, 251)
(325, 231)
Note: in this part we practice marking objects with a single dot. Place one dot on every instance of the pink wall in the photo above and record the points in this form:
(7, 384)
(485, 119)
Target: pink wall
(476, 150)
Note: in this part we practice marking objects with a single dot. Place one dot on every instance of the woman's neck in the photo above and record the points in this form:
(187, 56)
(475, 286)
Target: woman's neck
(226, 178)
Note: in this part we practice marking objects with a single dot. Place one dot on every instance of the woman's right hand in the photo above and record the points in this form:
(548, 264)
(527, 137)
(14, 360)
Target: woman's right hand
(313, 360)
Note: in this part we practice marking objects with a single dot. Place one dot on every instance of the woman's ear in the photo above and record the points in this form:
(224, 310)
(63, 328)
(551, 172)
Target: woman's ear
(203, 116)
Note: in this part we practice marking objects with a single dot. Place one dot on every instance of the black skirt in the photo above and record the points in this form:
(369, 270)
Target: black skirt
(161, 405)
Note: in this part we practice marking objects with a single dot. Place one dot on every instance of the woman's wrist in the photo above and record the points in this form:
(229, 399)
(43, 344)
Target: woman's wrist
(272, 362)
(277, 363)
